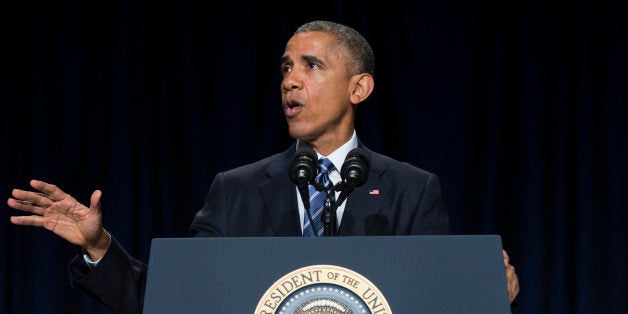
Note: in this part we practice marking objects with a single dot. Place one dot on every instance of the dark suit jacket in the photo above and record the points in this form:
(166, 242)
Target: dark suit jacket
(259, 199)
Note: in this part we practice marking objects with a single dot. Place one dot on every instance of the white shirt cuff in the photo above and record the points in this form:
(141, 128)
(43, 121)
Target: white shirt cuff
(91, 263)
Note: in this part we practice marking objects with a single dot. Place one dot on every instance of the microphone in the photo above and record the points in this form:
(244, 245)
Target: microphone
(303, 172)
(354, 172)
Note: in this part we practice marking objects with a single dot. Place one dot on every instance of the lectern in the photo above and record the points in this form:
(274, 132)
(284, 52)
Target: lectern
(379, 274)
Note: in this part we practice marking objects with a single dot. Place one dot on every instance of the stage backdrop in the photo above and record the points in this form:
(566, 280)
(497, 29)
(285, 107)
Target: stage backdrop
(519, 107)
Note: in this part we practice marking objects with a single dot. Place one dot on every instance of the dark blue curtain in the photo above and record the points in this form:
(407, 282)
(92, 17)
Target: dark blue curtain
(519, 107)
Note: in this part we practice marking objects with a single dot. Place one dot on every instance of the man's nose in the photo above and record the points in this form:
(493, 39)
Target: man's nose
(292, 81)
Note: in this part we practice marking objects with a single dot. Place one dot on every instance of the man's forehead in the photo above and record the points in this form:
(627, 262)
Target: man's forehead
(309, 44)
(310, 41)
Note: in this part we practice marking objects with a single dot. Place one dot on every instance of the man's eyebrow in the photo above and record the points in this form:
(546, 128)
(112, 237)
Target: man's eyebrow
(307, 58)
(312, 59)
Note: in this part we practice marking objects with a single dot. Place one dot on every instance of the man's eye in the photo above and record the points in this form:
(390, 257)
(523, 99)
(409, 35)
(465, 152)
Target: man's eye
(286, 69)
(314, 66)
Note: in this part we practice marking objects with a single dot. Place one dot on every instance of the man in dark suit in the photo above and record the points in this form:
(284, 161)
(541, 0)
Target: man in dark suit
(327, 72)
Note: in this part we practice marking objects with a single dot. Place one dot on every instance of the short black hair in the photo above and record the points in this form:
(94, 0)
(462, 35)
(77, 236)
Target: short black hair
(356, 45)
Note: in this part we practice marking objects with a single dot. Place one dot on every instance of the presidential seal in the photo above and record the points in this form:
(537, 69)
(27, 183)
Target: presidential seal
(323, 289)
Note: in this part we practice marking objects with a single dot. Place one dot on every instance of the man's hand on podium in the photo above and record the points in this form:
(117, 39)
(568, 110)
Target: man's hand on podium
(512, 280)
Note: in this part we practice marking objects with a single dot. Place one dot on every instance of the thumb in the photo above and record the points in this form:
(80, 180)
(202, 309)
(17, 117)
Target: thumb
(95, 202)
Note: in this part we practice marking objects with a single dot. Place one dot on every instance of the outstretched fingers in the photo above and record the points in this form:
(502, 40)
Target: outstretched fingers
(35, 199)
(51, 191)
(28, 202)
(37, 221)
(46, 202)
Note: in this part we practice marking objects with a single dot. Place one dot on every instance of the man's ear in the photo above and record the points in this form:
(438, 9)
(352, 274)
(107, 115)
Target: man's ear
(362, 87)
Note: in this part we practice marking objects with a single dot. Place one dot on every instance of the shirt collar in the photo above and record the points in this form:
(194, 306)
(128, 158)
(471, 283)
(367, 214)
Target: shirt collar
(338, 156)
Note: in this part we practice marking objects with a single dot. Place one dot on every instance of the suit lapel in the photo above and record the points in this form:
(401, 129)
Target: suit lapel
(279, 196)
(365, 202)
(280, 199)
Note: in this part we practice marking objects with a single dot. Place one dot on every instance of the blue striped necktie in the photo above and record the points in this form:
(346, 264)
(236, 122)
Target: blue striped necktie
(317, 200)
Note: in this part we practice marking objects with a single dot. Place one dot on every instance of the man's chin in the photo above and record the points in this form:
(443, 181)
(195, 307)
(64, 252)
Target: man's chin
(298, 133)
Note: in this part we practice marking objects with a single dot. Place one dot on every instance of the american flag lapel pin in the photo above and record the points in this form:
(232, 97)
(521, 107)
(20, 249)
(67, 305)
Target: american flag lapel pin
(374, 192)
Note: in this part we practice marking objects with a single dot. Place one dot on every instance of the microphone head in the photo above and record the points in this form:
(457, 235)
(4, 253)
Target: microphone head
(303, 166)
(355, 169)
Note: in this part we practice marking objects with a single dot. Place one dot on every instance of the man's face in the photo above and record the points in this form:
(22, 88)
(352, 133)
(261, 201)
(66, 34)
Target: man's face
(315, 90)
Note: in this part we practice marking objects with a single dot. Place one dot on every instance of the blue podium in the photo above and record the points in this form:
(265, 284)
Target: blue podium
(379, 274)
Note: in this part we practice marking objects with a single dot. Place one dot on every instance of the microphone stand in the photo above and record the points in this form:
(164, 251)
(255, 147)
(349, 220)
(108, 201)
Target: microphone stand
(329, 214)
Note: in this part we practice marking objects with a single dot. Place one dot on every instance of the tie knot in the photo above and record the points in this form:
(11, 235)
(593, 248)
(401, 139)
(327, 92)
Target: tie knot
(325, 165)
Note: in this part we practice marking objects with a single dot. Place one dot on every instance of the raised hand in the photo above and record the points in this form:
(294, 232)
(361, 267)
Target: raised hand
(62, 214)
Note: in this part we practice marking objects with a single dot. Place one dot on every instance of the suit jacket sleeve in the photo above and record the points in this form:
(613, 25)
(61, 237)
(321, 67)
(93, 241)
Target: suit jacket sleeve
(118, 281)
